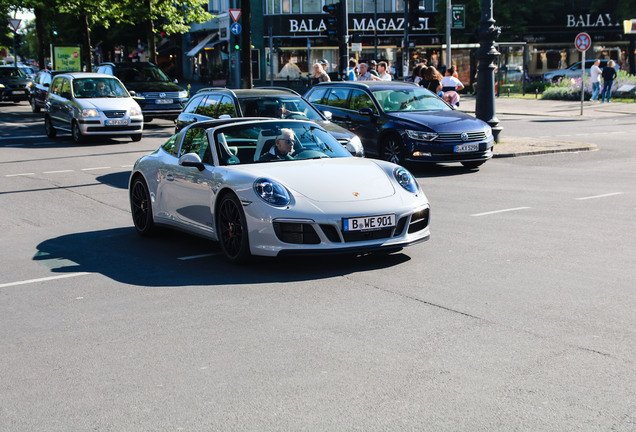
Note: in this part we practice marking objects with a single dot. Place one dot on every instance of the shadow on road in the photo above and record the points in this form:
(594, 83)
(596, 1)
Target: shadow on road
(122, 255)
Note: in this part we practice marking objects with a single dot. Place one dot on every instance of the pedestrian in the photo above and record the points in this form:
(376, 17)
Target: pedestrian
(434, 79)
(372, 68)
(351, 71)
(365, 75)
(415, 74)
(609, 75)
(595, 78)
(450, 82)
(384, 73)
(319, 75)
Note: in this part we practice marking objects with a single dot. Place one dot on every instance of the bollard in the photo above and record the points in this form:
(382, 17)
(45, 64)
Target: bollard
(536, 93)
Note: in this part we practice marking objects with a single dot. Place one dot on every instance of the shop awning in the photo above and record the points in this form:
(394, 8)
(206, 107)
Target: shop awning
(213, 44)
(194, 51)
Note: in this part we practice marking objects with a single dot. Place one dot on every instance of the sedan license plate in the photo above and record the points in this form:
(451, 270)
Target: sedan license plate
(466, 148)
(116, 122)
(163, 101)
(368, 223)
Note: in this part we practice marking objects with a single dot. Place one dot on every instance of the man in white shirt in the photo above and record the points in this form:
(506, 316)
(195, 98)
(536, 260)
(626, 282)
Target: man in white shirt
(595, 78)
(382, 70)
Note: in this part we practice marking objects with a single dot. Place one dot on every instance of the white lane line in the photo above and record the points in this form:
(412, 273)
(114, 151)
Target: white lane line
(56, 172)
(501, 211)
(94, 168)
(127, 166)
(23, 137)
(197, 256)
(22, 174)
(25, 282)
(600, 196)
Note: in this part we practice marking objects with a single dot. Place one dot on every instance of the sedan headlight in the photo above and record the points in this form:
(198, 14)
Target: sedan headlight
(488, 132)
(183, 94)
(406, 180)
(134, 111)
(421, 136)
(90, 113)
(354, 145)
(1, 85)
(271, 192)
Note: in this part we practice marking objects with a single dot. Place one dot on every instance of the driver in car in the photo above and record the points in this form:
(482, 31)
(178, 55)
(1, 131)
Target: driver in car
(282, 148)
(283, 112)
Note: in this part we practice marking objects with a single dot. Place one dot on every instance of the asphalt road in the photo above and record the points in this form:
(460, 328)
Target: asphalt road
(518, 314)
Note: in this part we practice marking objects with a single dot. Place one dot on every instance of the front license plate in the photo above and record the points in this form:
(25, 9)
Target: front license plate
(18, 91)
(466, 148)
(163, 101)
(368, 223)
(116, 122)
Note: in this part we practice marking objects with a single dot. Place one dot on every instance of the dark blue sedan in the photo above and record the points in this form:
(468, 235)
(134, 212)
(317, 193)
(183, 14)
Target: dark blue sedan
(402, 122)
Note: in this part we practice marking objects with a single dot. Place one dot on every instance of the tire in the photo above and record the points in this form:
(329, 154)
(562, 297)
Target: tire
(392, 149)
(48, 128)
(141, 208)
(473, 165)
(77, 133)
(34, 106)
(232, 230)
(136, 137)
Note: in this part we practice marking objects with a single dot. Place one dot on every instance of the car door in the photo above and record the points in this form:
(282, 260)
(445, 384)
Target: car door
(361, 121)
(336, 101)
(188, 115)
(57, 102)
(187, 193)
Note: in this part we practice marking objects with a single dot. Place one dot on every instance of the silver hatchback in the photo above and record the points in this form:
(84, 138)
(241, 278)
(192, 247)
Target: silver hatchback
(91, 104)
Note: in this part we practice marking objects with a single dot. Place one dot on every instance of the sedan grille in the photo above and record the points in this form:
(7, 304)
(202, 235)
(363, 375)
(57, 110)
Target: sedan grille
(114, 114)
(456, 137)
(161, 95)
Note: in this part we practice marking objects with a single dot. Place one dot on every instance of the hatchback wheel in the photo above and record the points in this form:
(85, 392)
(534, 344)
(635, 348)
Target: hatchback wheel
(77, 133)
(393, 149)
(48, 128)
(141, 207)
(232, 229)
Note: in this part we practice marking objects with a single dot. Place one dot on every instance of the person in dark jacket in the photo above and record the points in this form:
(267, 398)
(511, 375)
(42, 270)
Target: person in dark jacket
(609, 75)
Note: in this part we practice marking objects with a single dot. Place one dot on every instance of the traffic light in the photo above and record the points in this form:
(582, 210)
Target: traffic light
(54, 30)
(416, 20)
(332, 23)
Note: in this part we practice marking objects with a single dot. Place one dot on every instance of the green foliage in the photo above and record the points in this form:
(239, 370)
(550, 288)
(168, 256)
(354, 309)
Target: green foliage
(570, 88)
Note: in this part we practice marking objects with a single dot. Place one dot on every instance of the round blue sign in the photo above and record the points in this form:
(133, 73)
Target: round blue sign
(235, 28)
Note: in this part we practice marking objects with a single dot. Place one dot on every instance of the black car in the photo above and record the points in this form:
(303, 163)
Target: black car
(272, 102)
(403, 122)
(13, 84)
(39, 88)
(157, 96)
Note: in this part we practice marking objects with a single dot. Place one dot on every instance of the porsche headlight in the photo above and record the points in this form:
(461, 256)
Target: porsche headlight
(406, 180)
(90, 113)
(354, 146)
(271, 192)
(421, 135)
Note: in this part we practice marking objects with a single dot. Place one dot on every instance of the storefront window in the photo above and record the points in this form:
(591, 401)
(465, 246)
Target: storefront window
(312, 6)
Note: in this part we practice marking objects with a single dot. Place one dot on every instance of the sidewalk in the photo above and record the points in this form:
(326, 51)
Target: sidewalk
(522, 146)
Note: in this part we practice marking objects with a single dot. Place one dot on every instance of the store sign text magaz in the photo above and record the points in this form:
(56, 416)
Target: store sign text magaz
(362, 24)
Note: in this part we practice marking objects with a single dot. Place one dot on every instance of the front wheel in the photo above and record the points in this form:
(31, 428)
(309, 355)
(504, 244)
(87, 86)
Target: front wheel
(393, 149)
(34, 106)
(48, 128)
(141, 207)
(136, 137)
(232, 230)
(77, 133)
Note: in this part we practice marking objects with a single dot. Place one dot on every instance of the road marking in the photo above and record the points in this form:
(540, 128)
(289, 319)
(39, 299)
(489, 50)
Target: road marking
(55, 172)
(501, 211)
(94, 168)
(25, 282)
(197, 256)
(600, 196)
(22, 174)
(127, 166)
(24, 137)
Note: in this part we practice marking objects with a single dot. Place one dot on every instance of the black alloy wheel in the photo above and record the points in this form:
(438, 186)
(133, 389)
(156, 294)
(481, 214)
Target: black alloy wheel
(136, 137)
(77, 133)
(48, 128)
(232, 229)
(393, 149)
(141, 207)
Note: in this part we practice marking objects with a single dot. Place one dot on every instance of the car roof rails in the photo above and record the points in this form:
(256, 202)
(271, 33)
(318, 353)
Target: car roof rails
(278, 88)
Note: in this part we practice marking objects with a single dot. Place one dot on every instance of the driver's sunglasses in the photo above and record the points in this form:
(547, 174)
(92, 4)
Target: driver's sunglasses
(288, 140)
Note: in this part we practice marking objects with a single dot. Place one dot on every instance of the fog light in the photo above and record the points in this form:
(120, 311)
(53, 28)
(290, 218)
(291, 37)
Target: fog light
(419, 154)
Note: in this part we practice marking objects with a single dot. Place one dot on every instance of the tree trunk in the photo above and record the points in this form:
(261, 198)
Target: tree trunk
(150, 34)
(39, 33)
(246, 45)
(88, 58)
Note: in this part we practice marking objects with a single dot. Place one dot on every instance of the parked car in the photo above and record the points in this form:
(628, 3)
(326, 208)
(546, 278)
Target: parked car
(403, 122)
(13, 84)
(574, 71)
(91, 104)
(39, 88)
(151, 88)
(213, 103)
(30, 71)
(220, 179)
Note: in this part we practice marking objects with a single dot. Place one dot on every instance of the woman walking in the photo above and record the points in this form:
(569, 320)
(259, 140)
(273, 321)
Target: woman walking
(609, 75)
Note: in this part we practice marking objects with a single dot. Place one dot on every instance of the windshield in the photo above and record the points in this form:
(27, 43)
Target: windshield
(11, 72)
(289, 107)
(409, 99)
(146, 73)
(276, 142)
(98, 88)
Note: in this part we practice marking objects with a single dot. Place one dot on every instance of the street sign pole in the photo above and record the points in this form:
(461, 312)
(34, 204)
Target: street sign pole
(582, 42)
(15, 23)
(582, 82)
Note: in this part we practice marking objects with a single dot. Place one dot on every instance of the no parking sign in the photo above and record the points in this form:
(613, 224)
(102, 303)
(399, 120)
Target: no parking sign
(582, 42)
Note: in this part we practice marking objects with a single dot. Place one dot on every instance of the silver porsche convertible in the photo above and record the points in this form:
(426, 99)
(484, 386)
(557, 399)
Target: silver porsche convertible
(276, 187)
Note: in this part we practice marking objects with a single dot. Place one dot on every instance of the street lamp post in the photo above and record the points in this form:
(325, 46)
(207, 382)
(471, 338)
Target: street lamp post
(487, 56)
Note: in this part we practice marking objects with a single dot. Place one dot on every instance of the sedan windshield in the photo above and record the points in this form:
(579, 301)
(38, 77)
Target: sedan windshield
(98, 88)
(289, 107)
(11, 72)
(409, 99)
(147, 73)
(276, 142)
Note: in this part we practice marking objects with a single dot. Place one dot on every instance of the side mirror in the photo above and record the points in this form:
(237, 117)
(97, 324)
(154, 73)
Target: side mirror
(132, 93)
(366, 112)
(47, 84)
(191, 160)
(66, 95)
(328, 115)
